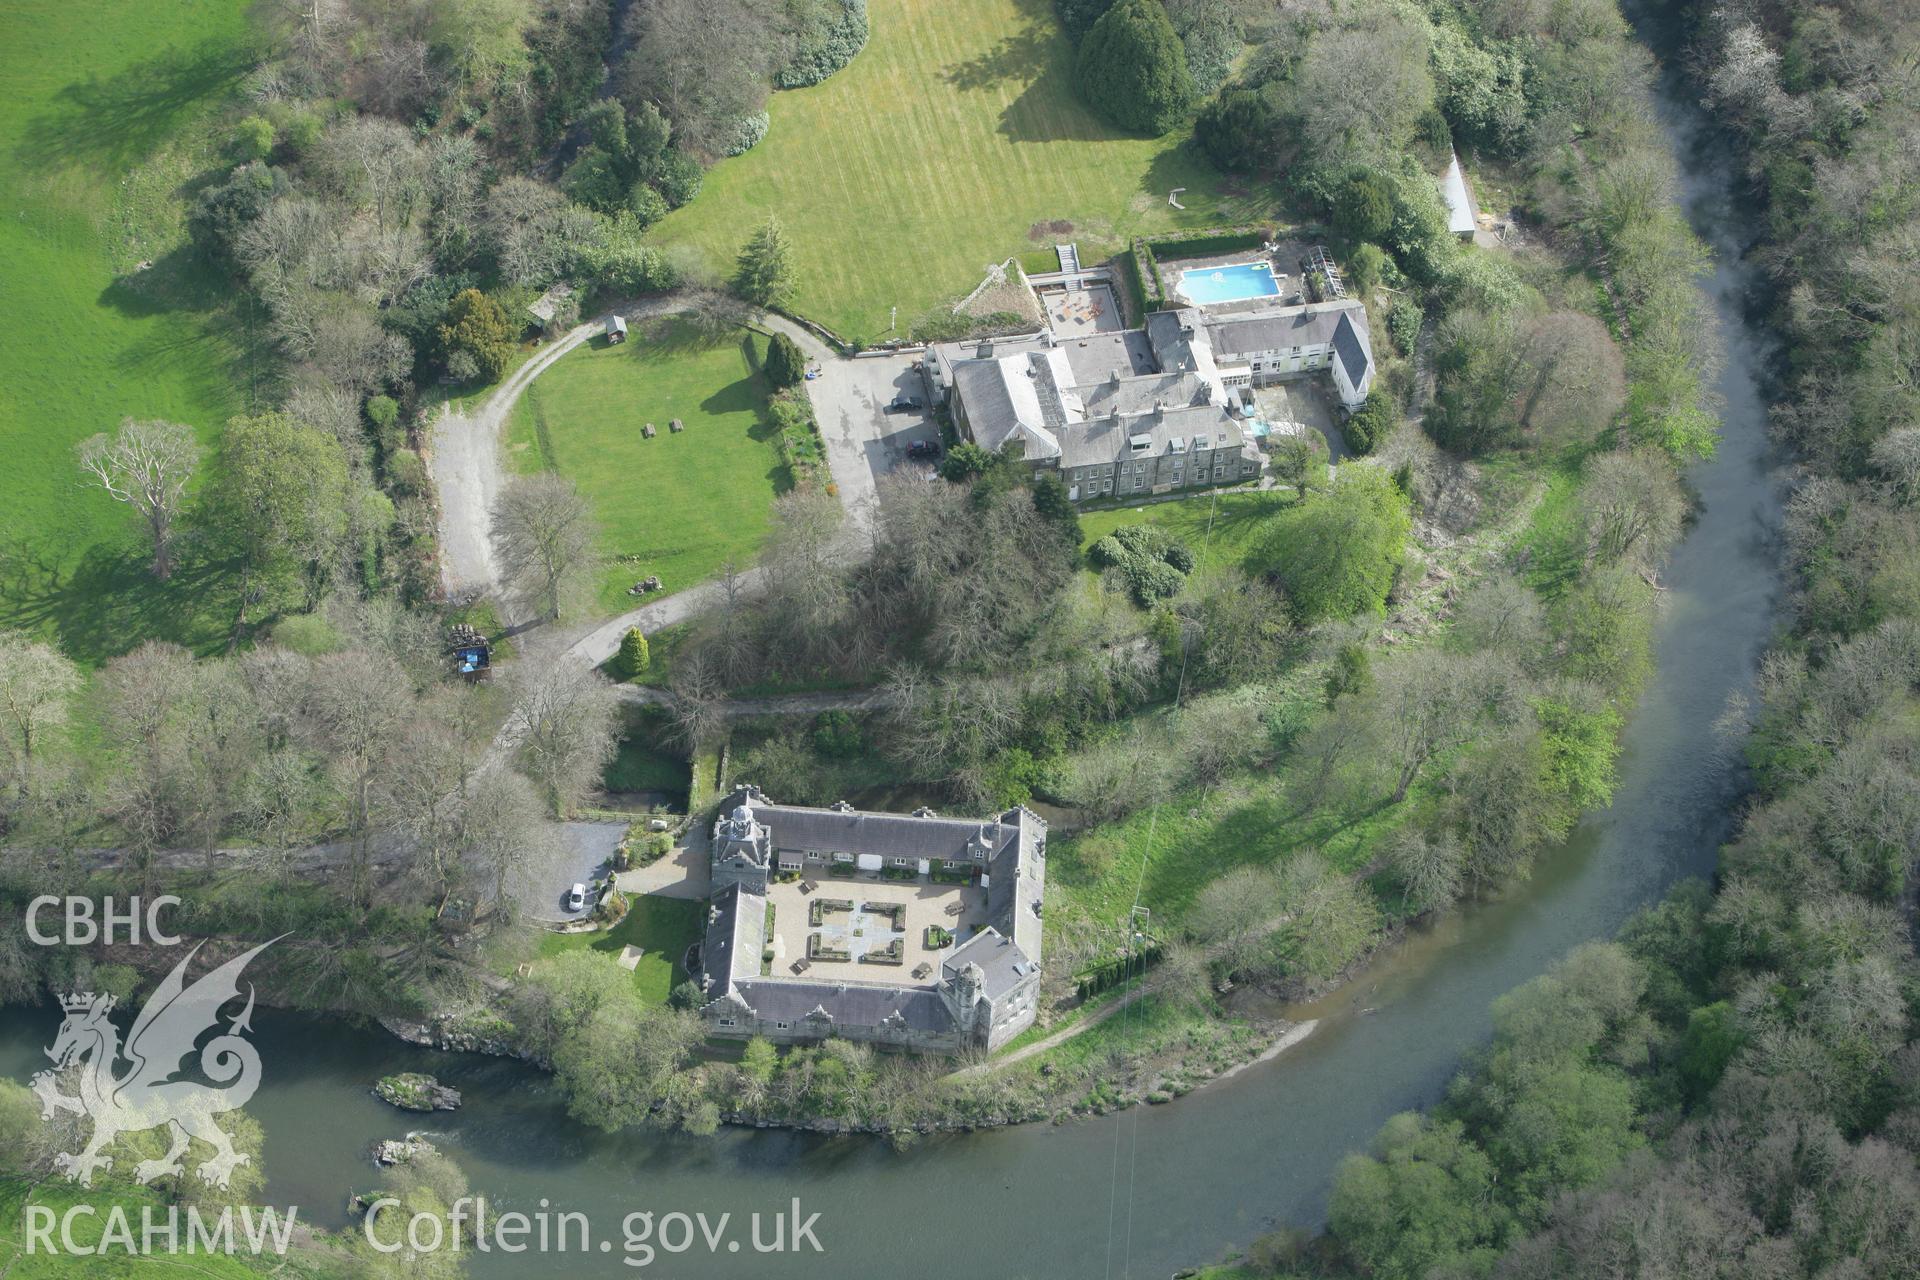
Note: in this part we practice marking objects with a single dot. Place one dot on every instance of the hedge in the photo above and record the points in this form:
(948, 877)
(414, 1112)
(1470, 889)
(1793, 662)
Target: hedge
(1146, 269)
(1205, 243)
(1115, 970)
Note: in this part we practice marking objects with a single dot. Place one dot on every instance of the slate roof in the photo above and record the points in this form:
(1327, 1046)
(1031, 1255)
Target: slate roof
(1351, 350)
(890, 835)
(850, 1004)
(1143, 395)
(1104, 440)
(736, 926)
(1018, 883)
(1309, 326)
(1003, 964)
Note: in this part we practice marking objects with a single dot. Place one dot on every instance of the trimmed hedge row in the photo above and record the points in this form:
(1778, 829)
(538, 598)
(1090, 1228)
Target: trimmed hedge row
(1204, 243)
(1115, 970)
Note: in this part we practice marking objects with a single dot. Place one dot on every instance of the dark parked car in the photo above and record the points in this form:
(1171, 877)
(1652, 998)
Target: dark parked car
(904, 404)
(923, 449)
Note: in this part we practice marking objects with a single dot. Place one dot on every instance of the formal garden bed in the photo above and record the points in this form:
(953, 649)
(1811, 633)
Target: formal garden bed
(936, 938)
(820, 908)
(818, 948)
(894, 912)
(894, 952)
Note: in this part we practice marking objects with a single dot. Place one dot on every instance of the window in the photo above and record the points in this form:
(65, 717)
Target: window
(780, 1026)
(814, 855)
(1219, 473)
(1246, 468)
(725, 1022)
(1106, 487)
(901, 862)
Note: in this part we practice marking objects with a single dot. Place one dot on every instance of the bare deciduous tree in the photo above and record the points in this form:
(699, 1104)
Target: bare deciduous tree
(565, 716)
(145, 464)
(359, 703)
(543, 535)
(1634, 507)
(36, 682)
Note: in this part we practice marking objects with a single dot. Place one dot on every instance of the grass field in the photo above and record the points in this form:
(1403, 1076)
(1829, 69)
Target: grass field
(105, 124)
(683, 503)
(952, 141)
(662, 927)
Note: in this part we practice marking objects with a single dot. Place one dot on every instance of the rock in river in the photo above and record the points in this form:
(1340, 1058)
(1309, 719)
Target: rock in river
(413, 1091)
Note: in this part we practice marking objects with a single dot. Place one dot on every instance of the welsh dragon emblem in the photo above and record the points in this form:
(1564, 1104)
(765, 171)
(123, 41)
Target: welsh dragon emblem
(145, 1095)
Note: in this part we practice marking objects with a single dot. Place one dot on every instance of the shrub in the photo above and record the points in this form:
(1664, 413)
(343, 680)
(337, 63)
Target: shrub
(1370, 424)
(477, 328)
(1152, 580)
(748, 132)
(837, 734)
(679, 177)
(1108, 553)
(1132, 68)
(406, 473)
(1237, 129)
(253, 138)
(786, 365)
(647, 205)
(634, 657)
(829, 33)
(1403, 324)
(1078, 16)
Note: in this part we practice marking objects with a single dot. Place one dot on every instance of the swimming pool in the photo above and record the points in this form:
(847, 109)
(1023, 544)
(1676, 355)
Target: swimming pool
(1228, 284)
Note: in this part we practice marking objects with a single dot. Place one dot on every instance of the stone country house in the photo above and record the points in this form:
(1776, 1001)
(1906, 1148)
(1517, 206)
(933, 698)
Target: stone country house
(915, 931)
(1153, 410)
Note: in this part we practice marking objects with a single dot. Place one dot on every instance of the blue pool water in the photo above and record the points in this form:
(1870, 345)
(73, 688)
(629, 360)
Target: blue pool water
(1229, 284)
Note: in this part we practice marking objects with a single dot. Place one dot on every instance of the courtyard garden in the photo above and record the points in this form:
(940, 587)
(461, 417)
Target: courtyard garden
(682, 503)
(955, 139)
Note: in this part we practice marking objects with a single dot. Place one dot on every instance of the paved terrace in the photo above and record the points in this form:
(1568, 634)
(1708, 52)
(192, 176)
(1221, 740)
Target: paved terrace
(927, 902)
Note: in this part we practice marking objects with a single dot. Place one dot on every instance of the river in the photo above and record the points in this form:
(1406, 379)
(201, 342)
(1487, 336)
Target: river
(1140, 1193)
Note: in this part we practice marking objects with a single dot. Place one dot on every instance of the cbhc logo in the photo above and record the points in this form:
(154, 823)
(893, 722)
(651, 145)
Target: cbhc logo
(82, 928)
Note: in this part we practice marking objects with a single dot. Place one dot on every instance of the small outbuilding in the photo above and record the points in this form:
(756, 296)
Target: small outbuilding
(616, 330)
(1461, 217)
(556, 302)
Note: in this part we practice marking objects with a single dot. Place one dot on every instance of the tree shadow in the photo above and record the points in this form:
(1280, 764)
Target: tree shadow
(1023, 56)
(746, 395)
(108, 601)
(121, 120)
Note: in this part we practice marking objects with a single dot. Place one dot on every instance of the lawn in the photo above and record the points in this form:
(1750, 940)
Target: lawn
(108, 116)
(662, 927)
(952, 141)
(683, 503)
(1237, 522)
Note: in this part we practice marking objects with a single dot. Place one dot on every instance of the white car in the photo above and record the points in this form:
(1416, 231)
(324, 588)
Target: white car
(577, 898)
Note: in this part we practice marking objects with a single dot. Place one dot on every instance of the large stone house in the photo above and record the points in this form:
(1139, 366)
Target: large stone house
(959, 896)
(1148, 410)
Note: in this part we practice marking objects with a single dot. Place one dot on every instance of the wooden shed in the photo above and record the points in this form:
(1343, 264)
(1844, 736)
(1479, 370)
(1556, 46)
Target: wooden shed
(616, 330)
